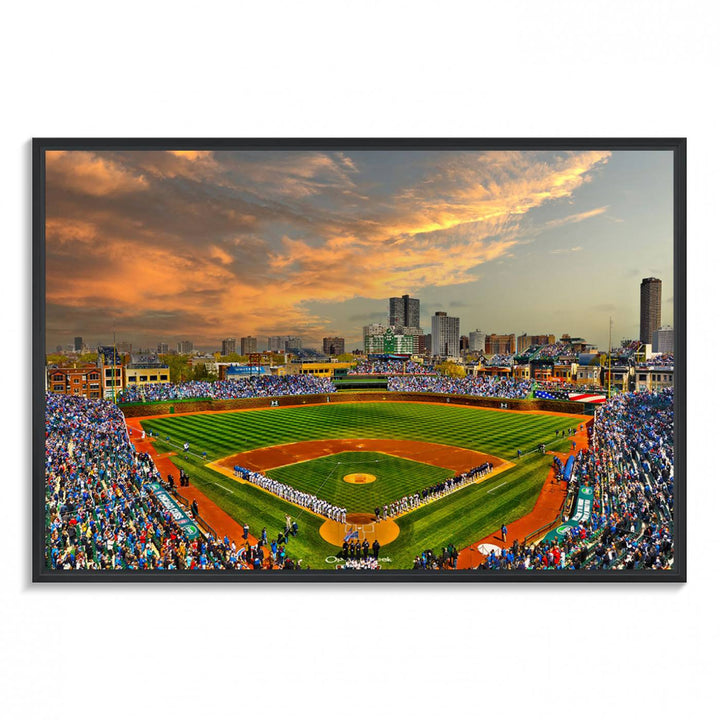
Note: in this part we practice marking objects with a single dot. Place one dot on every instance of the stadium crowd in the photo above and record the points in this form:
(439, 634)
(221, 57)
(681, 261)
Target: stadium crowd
(100, 512)
(499, 360)
(487, 386)
(554, 351)
(258, 386)
(391, 367)
(663, 360)
(446, 560)
(630, 469)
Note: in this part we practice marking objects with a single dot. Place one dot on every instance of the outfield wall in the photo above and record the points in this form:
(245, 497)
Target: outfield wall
(188, 406)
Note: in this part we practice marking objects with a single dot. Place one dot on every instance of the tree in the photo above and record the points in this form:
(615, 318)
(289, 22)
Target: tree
(86, 358)
(345, 357)
(202, 372)
(451, 369)
(56, 359)
(180, 368)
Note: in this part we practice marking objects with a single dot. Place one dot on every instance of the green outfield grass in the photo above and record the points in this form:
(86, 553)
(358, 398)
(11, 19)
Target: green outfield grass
(490, 431)
(395, 478)
(461, 518)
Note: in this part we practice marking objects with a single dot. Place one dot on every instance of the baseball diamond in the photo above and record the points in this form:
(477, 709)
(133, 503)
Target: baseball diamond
(295, 453)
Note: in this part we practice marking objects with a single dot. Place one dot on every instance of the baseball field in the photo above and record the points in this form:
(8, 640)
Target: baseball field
(364, 455)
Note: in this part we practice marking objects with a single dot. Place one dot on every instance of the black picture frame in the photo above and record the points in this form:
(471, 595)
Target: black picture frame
(678, 146)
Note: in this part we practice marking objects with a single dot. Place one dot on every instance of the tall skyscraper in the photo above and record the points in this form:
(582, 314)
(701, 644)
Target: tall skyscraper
(78, 344)
(445, 335)
(248, 344)
(333, 345)
(228, 346)
(405, 311)
(650, 308)
(163, 348)
(185, 347)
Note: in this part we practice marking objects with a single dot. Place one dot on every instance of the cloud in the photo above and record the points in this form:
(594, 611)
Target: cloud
(565, 251)
(248, 241)
(90, 174)
(191, 154)
(576, 218)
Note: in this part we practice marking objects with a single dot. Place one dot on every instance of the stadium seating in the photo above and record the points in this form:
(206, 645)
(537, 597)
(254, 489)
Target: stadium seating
(490, 386)
(100, 512)
(260, 386)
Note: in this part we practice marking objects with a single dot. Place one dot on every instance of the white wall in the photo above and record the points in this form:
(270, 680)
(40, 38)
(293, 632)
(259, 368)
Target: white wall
(376, 69)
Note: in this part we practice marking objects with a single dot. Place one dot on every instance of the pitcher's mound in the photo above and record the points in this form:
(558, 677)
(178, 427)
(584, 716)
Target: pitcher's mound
(384, 532)
(359, 478)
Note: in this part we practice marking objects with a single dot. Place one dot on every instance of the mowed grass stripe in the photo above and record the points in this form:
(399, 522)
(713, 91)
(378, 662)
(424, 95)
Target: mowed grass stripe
(490, 431)
(472, 513)
(395, 478)
(460, 518)
(246, 503)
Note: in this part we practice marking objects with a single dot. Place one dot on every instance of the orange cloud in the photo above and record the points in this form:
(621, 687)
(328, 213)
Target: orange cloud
(577, 217)
(90, 174)
(288, 229)
(191, 154)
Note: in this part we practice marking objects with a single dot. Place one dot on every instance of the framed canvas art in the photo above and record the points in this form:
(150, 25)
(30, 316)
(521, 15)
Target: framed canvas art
(359, 360)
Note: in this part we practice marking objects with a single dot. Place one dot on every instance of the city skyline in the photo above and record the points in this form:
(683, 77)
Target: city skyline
(161, 246)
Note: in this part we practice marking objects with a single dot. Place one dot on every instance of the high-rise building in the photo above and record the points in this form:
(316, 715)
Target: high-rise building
(445, 335)
(404, 311)
(650, 308)
(78, 344)
(248, 345)
(664, 340)
(228, 346)
(163, 348)
(464, 343)
(185, 347)
(524, 341)
(500, 344)
(476, 341)
(333, 345)
(282, 343)
(124, 347)
(276, 343)
(373, 329)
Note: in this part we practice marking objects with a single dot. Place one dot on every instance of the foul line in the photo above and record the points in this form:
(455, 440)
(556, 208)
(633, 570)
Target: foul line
(497, 486)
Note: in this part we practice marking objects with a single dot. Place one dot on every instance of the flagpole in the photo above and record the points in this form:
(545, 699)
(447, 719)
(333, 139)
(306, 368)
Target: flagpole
(113, 364)
(610, 359)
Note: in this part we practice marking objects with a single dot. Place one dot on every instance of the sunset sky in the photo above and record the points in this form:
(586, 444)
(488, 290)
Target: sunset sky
(202, 245)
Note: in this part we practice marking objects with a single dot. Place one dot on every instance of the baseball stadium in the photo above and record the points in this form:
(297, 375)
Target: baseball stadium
(425, 474)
